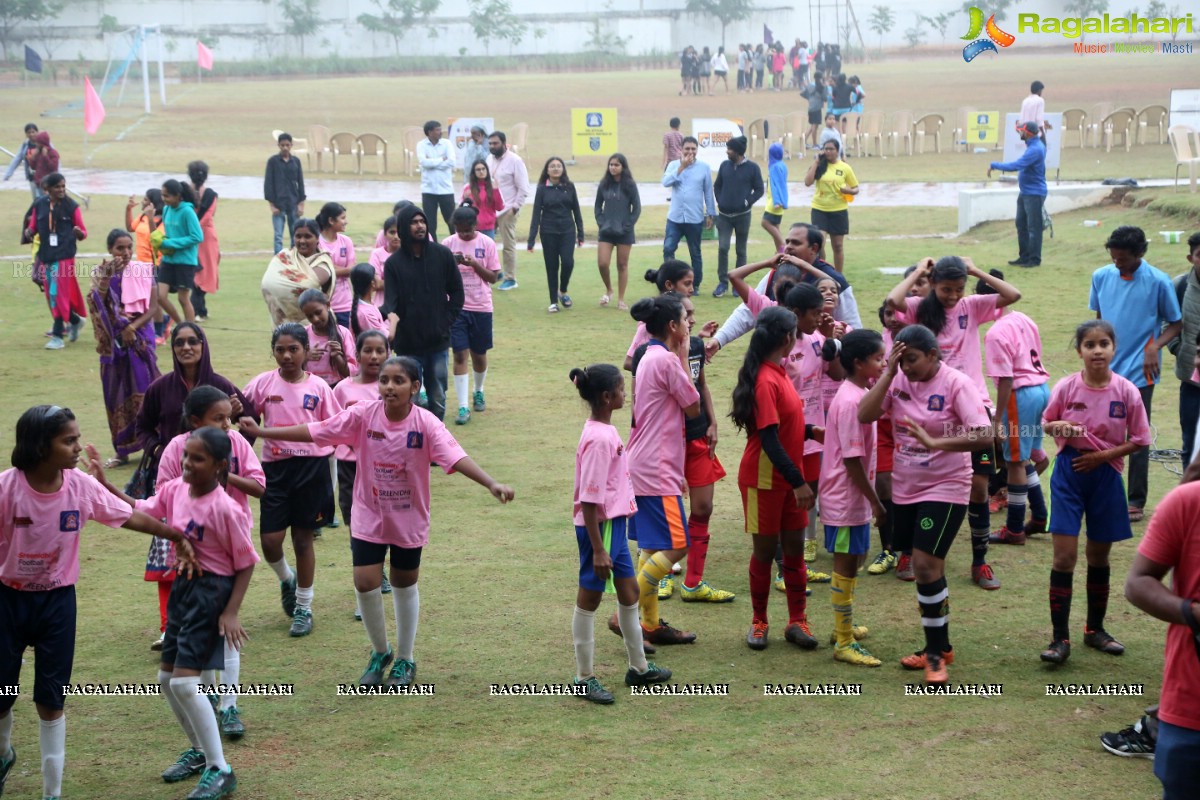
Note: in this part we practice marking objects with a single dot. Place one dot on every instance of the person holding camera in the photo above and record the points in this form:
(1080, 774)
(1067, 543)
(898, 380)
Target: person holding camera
(836, 186)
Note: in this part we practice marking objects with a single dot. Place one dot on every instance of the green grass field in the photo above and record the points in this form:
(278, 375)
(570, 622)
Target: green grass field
(498, 582)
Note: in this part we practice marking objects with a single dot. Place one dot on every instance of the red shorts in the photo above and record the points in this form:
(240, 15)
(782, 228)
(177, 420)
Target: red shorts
(700, 468)
(885, 447)
(811, 467)
(771, 511)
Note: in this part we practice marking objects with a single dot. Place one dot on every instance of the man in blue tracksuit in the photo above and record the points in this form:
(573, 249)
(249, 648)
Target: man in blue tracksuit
(1031, 183)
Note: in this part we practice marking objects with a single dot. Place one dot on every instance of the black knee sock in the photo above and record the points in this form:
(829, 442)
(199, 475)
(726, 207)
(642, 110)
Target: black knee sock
(1097, 596)
(935, 615)
(1060, 604)
(980, 520)
(1037, 500)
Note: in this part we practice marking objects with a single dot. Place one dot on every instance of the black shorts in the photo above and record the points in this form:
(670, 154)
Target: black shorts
(834, 223)
(774, 219)
(177, 277)
(368, 554)
(815, 117)
(927, 526)
(299, 494)
(608, 237)
(346, 470)
(192, 639)
(44, 621)
(720, 73)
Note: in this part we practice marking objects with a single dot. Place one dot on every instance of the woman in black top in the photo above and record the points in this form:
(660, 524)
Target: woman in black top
(556, 213)
(618, 207)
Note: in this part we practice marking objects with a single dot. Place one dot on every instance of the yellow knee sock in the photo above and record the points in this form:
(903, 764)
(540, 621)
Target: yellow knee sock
(842, 593)
(654, 569)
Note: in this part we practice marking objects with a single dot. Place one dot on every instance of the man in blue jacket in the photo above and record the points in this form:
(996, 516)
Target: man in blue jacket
(1031, 184)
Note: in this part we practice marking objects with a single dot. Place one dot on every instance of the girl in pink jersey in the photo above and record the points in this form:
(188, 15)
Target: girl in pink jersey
(673, 276)
(334, 241)
(939, 419)
(331, 353)
(955, 319)
(395, 442)
(44, 504)
(657, 453)
(603, 504)
(471, 331)
(1096, 418)
(364, 314)
(203, 613)
(299, 487)
(209, 407)
(373, 350)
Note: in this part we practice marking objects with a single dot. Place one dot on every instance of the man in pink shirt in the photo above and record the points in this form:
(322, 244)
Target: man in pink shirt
(512, 179)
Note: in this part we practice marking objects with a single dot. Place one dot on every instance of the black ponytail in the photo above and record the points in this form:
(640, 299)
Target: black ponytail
(658, 313)
(770, 332)
(592, 382)
(672, 271)
(361, 278)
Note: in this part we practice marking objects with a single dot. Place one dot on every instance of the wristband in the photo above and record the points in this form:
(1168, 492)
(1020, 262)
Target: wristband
(808, 431)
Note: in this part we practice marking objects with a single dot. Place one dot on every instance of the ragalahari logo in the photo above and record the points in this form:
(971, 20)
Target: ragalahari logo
(995, 36)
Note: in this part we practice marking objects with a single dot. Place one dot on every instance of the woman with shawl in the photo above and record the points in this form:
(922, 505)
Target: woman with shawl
(303, 266)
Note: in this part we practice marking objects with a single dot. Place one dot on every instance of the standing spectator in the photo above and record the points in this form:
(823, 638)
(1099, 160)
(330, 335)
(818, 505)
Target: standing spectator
(58, 224)
(820, 60)
(857, 94)
(720, 69)
(557, 217)
(741, 68)
(484, 197)
(1137, 299)
(777, 201)
(437, 175)
(475, 148)
(423, 297)
(43, 158)
(1171, 545)
(794, 62)
(814, 93)
(691, 208)
(1187, 289)
(777, 62)
(686, 64)
(293, 271)
(749, 67)
(207, 278)
(1033, 108)
(738, 187)
(672, 143)
(835, 58)
(283, 188)
(760, 66)
(178, 240)
(22, 159)
(151, 206)
(1031, 194)
(618, 206)
(805, 59)
(836, 186)
(703, 71)
(512, 179)
(842, 99)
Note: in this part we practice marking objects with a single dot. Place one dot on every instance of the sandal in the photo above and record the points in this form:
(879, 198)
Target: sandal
(1136, 514)
(605, 299)
(621, 306)
(115, 462)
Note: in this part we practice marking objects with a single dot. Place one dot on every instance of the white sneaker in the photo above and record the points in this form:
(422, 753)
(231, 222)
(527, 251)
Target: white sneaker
(676, 568)
(55, 343)
(553, 309)
(76, 327)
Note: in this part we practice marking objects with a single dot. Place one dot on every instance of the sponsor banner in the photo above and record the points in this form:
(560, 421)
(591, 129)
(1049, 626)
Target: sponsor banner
(712, 133)
(593, 131)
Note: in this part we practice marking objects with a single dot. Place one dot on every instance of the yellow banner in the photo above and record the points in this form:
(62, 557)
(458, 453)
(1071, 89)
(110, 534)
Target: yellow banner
(593, 131)
(983, 127)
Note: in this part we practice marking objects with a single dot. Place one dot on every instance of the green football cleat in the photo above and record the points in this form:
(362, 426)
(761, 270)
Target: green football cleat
(302, 622)
(375, 668)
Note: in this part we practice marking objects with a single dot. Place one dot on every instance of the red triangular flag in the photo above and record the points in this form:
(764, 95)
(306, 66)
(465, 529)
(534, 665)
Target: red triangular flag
(204, 56)
(93, 109)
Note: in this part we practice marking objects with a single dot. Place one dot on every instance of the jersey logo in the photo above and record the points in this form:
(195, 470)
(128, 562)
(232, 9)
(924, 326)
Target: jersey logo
(193, 531)
(375, 436)
(275, 398)
(936, 402)
(816, 348)
(479, 253)
(342, 252)
(310, 402)
(839, 172)
(234, 466)
(926, 523)
(68, 521)
(962, 322)
(900, 394)
(22, 522)
(620, 449)
(1077, 407)
(1116, 409)
(415, 440)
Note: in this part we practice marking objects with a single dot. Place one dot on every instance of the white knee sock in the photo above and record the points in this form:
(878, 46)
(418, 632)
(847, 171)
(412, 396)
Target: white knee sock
(231, 674)
(631, 632)
(6, 723)
(200, 714)
(304, 597)
(282, 570)
(373, 619)
(810, 531)
(208, 677)
(407, 601)
(583, 630)
(164, 680)
(460, 390)
(53, 738)
(479, 379)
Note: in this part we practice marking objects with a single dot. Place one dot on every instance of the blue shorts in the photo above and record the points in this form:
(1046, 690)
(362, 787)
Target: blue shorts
(848, 539)
(659, 523)
(472, 330)
(618, 551)
(1099, 495)
(44, 621)
(1177, 760)
(1021, 422)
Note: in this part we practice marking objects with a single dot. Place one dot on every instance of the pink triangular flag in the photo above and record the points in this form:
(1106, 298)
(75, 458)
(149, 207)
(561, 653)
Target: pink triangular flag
(93, 109)
(204, 56)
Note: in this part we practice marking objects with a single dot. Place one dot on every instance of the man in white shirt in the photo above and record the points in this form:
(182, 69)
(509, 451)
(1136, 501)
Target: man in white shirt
(437, 176)
(512, 179)
(1033, 108)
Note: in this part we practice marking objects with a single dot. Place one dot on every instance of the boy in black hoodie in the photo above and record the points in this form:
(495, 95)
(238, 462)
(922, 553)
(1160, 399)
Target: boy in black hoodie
(423, 294)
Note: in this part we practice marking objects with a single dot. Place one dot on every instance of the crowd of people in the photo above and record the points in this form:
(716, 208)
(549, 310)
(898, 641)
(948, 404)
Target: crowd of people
(889, 427)
(779, 67)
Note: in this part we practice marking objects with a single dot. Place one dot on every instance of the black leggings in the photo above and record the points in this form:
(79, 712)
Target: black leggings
(558, 249)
